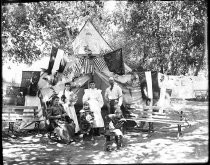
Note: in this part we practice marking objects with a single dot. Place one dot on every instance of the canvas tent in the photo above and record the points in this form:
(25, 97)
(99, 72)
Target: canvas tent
(98, 70)
(89, 39)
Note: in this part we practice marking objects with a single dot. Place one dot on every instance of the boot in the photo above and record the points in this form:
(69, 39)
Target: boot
(108, 138)
(108, 143)
(118, 140)
(96, 132)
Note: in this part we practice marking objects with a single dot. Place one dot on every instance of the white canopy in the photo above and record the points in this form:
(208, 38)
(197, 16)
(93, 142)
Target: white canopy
(91, 39)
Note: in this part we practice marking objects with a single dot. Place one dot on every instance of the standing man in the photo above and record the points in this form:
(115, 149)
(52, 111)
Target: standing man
(113, 95)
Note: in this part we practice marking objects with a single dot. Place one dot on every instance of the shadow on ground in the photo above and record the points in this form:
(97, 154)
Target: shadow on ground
(162, 147)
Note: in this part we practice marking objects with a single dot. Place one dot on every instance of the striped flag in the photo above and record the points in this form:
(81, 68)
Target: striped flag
(52, 60)
(100, 63)
(87, 66)
(55, 62)
(78, 66)
(150, 81)
(62, 65)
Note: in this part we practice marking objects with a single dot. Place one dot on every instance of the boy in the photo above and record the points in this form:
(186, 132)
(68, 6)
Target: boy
(86, 119)
(114, 126)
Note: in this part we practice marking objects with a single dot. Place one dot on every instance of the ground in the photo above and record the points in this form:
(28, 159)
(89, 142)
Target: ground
(162, 147)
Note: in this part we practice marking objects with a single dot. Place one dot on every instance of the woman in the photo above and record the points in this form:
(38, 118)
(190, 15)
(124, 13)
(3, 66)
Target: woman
(94, 97)
(61, 124)
(68, 99)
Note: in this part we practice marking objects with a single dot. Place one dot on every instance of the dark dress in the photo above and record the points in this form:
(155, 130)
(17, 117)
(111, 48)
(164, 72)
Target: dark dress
(64, 127)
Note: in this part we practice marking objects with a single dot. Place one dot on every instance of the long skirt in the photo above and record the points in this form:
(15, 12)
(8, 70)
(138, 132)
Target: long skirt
(70, 110)
(65, 131)
(98, 120)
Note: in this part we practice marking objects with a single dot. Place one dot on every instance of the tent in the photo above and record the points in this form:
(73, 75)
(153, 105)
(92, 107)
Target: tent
(100, 74)
(88, 63)
(90, 40)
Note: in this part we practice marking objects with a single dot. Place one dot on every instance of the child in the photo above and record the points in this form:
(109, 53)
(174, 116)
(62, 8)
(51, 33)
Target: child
(86, 119)
(114, 125)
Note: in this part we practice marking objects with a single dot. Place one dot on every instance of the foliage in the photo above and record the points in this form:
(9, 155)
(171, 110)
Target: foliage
(31, 29)
(166, 36)
(155, 35)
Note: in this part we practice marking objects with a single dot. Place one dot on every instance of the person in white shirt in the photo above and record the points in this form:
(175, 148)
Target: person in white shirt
(113, 95)
(94, 97)
(68, 99)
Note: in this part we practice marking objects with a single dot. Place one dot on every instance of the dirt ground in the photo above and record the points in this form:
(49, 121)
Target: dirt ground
(162, 147)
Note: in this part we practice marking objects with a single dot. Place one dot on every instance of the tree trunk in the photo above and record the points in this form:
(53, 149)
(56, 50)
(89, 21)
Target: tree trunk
(159, 48)
(198, 68)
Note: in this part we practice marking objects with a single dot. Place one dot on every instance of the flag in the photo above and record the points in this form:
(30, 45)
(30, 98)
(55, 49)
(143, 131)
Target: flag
(56, 62)
(114, 61)
(62, 65)
(150, 81)
(52, 60)
(100, 63)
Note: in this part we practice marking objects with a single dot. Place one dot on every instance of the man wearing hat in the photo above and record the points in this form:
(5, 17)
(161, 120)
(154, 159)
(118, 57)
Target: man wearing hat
(113, 95)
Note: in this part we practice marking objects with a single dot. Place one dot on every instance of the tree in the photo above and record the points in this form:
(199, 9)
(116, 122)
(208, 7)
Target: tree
(31, 29)
(163, 36)
(167, 36)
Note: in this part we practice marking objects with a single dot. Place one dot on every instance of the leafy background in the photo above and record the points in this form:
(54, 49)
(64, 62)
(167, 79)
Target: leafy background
(168, 36)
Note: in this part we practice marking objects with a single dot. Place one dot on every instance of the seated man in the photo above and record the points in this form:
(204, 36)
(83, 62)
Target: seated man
(86, 119)
(60, 122)
(114, 126)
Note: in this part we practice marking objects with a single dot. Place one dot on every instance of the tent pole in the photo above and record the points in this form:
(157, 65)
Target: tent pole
(91, 57)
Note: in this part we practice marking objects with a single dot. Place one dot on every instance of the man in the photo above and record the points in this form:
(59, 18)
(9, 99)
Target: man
(113, 95)
(65, 93)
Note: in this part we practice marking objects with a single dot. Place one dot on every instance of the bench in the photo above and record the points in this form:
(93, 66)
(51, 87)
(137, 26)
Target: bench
(9, 115)
(155, 114)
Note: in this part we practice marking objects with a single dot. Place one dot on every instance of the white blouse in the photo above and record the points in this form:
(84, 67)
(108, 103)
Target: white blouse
(93, 94)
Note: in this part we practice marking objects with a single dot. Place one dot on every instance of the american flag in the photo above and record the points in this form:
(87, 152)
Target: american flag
(114, 61)
(100, 63)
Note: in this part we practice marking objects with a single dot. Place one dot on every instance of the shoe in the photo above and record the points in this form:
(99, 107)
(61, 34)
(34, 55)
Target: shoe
(70, 142)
